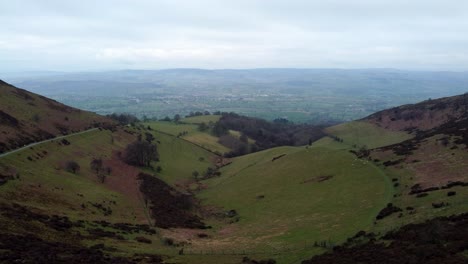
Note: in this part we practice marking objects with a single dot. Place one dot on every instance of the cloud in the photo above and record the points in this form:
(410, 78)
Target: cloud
(138, 54)
(86, 35)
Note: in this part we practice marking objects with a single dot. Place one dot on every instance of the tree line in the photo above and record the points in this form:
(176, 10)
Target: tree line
(265, 134)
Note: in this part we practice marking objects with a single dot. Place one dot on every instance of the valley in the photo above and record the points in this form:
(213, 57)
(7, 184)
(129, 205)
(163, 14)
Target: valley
(316, 96)
(302, 197)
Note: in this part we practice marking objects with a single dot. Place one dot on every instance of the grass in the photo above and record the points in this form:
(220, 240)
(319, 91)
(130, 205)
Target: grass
(362, 133)
(38, 113)
(315, 193)
(297, 207)
(448, 161)
(238, 134)
(46, 185)
(171, 127)
(178, 158)
(192, 134)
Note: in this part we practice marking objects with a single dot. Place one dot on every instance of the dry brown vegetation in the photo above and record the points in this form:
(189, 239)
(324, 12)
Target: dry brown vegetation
(27, 117)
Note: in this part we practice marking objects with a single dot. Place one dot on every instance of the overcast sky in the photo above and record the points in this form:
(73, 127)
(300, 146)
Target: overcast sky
(70, 35)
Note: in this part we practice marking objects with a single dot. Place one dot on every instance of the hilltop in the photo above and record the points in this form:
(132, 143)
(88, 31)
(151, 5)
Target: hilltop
(26, 117)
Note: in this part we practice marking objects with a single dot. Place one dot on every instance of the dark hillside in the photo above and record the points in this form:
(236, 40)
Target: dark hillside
(169, 207)
(422, 116)
(441, 240)
(437, 152)
(27, 117)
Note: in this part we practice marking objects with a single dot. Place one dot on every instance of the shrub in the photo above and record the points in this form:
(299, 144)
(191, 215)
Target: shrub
(72, 166)
(96, 165)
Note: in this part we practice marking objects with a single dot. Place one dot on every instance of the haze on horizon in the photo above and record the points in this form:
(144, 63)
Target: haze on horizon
(122, 34)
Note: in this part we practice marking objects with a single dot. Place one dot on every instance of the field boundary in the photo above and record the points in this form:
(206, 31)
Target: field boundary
(168, 134)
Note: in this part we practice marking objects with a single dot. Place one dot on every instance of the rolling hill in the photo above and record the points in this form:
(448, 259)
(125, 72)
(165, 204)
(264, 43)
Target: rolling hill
(362, 181)
(428, 167)
(26, 117)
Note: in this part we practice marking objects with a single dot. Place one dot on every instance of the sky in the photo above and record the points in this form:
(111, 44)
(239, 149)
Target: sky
(88, 35)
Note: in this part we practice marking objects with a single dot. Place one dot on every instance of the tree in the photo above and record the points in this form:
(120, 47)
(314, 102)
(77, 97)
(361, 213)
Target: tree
(140, 153)
(124, 119)
(363, 152)
(209, 171)
(72, 166)
(96, 165)
(103, 174)
(202, 126)
(219, 129)
(177, 118)
(244, 138)
(102, 177)
(195, 174)
(149, 137)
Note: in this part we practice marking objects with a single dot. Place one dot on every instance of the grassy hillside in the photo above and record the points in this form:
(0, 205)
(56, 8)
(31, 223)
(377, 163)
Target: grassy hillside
(44, 182)
(180, 158)
(299, 197)
(429, 173)
(39, 182)
(190, 132)
(26, 117)
(361, 133)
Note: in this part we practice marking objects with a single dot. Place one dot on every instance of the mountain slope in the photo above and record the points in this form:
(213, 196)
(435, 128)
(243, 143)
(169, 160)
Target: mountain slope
(429, 172)
(422, 116)
(27, 117)
(437, 153)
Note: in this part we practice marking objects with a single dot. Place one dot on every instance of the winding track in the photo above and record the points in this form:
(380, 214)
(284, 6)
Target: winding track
(47, 140)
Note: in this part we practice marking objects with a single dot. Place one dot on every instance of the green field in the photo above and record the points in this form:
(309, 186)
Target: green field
(192, 134)
(361, 133)
(178, 158)
(299, 205)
